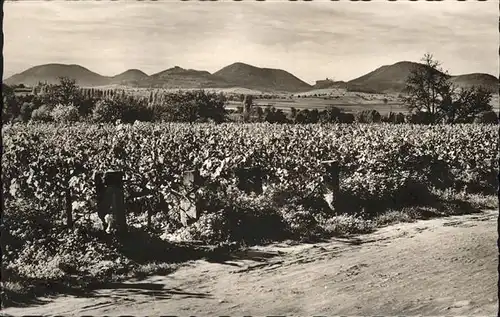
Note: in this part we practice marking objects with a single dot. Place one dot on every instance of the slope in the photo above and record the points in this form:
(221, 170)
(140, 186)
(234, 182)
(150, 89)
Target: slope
(131, 77)
(267, 79)
(50, 74)
(178, 77)
(388, 78)
(486, 81)
(392, 78)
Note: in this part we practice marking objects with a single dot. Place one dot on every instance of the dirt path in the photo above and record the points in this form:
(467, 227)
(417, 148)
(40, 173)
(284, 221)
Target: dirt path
(441, 266)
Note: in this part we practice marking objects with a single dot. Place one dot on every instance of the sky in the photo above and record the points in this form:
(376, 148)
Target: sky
(313, 40)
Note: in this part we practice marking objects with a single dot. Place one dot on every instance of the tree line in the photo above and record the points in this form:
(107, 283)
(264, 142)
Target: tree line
(66, 102)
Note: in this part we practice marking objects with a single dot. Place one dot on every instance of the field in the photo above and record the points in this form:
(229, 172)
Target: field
(320, 99)
(349, 101)
(389, 173)
(157, 154)
(321, 104)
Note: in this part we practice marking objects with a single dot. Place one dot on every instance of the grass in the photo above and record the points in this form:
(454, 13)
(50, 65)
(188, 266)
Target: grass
(449, 204)
(345, 225)
(395, 216)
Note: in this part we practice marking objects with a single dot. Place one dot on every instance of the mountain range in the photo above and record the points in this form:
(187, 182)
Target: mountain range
(385, 79)
(391, 78)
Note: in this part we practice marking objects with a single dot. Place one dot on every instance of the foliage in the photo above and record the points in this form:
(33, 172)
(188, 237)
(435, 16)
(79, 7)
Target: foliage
(42, 114)
(331, 115)
(107, 110)
(37, 250)
(468, 104)
(419, 118)
(132, 108)
(425, 86)
(10, 108)
(368, 116)
(274, 115)
(65, 93)
(383, 166)
(307, 116)
(247, 107)
(392, 117)
(292, 114)
(429, 91)
(190, 106)
(62, 113)
(488, 117)
(38, 158)
(347, 118)
(259, 113)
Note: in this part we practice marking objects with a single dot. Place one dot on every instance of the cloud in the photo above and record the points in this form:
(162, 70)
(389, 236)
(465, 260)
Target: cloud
(312, 40)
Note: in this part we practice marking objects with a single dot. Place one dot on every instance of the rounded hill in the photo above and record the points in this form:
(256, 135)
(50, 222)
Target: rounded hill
(252, 77)
(50, 73)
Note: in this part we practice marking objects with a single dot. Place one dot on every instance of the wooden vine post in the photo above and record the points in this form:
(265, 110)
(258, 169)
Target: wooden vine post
(250, 180)
(111, 200)
(190, 204)
(68, 203)
(331, 183)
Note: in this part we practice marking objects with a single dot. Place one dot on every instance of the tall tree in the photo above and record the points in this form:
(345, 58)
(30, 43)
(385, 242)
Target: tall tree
(65, 93)
(431, 96)
(247, 107)
(424, 86)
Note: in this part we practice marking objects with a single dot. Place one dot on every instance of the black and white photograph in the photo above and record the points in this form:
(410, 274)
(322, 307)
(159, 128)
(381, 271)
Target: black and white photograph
(250, 158)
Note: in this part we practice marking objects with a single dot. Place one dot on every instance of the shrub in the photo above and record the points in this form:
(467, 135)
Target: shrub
(188, 106)
(343, 225)
(275, 116)
(347, 118)
(392, 117)
(258, 112)
(107, 110)
(399, 118)
(134, 109)
(39, 252)
(368, 116)
(43, 114)
(330, 115)
(235, 216)
(10, 104)
(388, 118)
(419, 118)
(63, 113)
(300, 222)
(487, 117)
(307, 116)
(26, 111)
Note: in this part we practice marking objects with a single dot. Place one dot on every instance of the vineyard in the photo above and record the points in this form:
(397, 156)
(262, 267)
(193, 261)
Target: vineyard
(384, 168)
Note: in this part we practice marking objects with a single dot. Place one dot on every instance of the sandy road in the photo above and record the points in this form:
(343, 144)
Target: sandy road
(442, 266)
